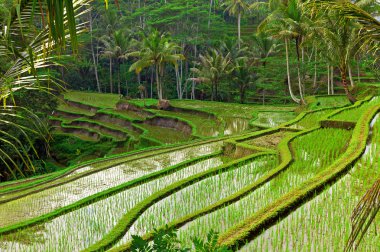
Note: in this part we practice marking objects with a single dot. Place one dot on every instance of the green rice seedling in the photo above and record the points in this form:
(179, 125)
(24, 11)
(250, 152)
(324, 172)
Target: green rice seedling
(200, 195)
(165, 135)
(355, 113)
(323, 224)
(48, 200)
(312, 119)
(332, 101)
(79, 229)
(74, 110)
(227, 109)
(93, 99)
(313, 152)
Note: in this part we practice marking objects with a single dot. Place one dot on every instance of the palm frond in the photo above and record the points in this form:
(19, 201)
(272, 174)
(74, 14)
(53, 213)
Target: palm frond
(363, 215)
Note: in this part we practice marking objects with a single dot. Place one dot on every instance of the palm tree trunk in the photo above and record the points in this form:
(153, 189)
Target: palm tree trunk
(299, 69)
(332, 80)
(212, 91)
(111, 83)
(158, 83)
(209, 14)
(126, 87)
(328, 79)
(93, 56)
(350, 97)
(358, 69)
(315, 70)
(118, 81)
(151, 83)
(295, 99)
(239, 29)
(350, 74)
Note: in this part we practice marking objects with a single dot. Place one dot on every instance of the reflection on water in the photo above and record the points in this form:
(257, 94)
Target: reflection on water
(273, 119)
(48, 200)
(235, 125)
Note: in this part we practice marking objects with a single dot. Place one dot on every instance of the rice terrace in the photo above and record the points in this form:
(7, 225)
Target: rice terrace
(207, 126)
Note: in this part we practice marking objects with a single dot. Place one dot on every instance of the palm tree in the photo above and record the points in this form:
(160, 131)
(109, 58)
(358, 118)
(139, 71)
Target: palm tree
(237, 8)
(369, 36)
(116, 48)
(156, 50)
(212, 68)
(243, 76)
(341, 41)
(263, 46)
(287, 22)
(28, 51)
(109, 51)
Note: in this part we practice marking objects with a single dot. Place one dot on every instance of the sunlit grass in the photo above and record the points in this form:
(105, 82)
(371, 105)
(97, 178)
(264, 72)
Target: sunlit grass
(323, 224)
(313, 153)
(83, 227)
(200, 195)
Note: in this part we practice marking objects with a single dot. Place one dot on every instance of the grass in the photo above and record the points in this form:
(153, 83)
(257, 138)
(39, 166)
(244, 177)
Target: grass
(267, 216)
(311, 120)
(125, 113)
(165, 135)
(227, 109)
(269, 141)
(323, 224)
(332, 101)
(298, 172)
(200, 195)
(74, 110)
(98, 100)
(50, 199)
(95, 220)
(354, 114)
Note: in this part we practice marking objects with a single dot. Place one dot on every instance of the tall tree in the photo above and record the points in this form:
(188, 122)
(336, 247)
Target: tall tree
(288, 22)
(212, 68)
(156, 50)
(237, 8)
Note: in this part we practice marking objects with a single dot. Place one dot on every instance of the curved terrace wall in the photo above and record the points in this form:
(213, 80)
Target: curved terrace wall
(173, 123)
(106, 130)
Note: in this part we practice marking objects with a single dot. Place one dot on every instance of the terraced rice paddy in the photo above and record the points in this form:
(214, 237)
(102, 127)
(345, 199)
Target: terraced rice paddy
(307, 163)
(272, 119)
(323, 224)
(269, 193)
(48, 200)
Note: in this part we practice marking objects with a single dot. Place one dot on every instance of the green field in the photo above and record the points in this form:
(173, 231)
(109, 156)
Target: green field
(192, 180)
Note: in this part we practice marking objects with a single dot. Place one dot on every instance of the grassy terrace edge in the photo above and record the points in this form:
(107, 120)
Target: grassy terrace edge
(104, 194)
(254, 225)
(285, 158)
(113, 236)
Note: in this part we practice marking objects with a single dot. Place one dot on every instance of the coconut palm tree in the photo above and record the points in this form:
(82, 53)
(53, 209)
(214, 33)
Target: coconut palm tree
(212, 68)
(237, 8)
(288, 22)
(116, 48)
(369, 36)
(156, 50)
(341, 41)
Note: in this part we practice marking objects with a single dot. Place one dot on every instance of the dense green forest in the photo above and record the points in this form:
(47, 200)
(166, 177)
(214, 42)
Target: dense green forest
(199, 125)
(221, 50)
